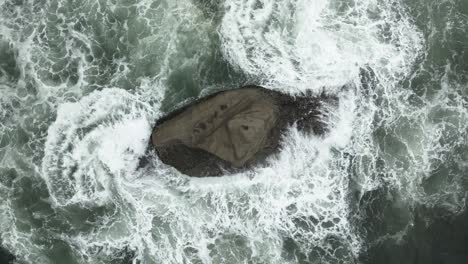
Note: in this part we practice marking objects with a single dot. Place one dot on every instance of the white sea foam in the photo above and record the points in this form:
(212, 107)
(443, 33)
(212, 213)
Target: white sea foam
(91, 141)
(93, 147)
(301, 195)
(308, 44)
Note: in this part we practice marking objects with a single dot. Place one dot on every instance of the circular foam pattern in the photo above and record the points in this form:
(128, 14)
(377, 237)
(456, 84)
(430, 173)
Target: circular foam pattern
(298, 45)
(91, 142)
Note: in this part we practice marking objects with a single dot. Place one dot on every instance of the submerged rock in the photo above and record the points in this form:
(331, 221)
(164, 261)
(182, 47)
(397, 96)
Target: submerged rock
(233, 130)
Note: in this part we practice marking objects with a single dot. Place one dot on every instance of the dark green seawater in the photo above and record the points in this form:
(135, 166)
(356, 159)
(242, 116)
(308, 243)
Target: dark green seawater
(82, 83)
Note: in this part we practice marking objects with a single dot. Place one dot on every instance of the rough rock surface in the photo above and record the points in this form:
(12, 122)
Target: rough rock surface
(233, 125)
(232, 130)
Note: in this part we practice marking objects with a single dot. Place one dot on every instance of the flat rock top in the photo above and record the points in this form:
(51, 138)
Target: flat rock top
(233, 125)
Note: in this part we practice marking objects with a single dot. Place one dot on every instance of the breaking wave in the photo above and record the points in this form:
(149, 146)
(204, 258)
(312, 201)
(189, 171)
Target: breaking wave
(303, 206)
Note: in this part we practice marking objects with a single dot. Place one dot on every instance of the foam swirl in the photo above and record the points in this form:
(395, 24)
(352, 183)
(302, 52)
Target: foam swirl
(90, 142)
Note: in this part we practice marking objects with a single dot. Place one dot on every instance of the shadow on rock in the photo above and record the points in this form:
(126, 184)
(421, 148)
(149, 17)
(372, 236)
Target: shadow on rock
(234, 130)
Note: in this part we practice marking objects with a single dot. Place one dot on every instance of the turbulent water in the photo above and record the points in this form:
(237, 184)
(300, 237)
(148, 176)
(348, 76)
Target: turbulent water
(82, 83)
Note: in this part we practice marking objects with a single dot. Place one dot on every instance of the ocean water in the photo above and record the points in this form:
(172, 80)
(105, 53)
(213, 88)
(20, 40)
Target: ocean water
(82, 83)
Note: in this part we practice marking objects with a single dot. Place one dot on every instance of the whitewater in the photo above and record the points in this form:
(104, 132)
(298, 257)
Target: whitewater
(83, 82)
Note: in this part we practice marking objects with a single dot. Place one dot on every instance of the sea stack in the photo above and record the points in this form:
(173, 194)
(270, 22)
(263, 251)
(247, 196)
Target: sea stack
(232, 130)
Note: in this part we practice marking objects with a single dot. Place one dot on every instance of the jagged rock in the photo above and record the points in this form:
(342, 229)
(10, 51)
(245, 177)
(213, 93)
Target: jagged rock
(232, 130)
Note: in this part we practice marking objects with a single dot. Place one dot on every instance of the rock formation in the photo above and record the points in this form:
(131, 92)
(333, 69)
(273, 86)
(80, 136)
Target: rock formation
(232, 130)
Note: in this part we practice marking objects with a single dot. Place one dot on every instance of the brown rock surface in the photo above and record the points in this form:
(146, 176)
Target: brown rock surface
(232, 125)
(232, 130)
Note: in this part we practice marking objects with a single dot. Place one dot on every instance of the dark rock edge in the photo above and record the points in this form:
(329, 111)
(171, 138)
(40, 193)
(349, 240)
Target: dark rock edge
(304, 110)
